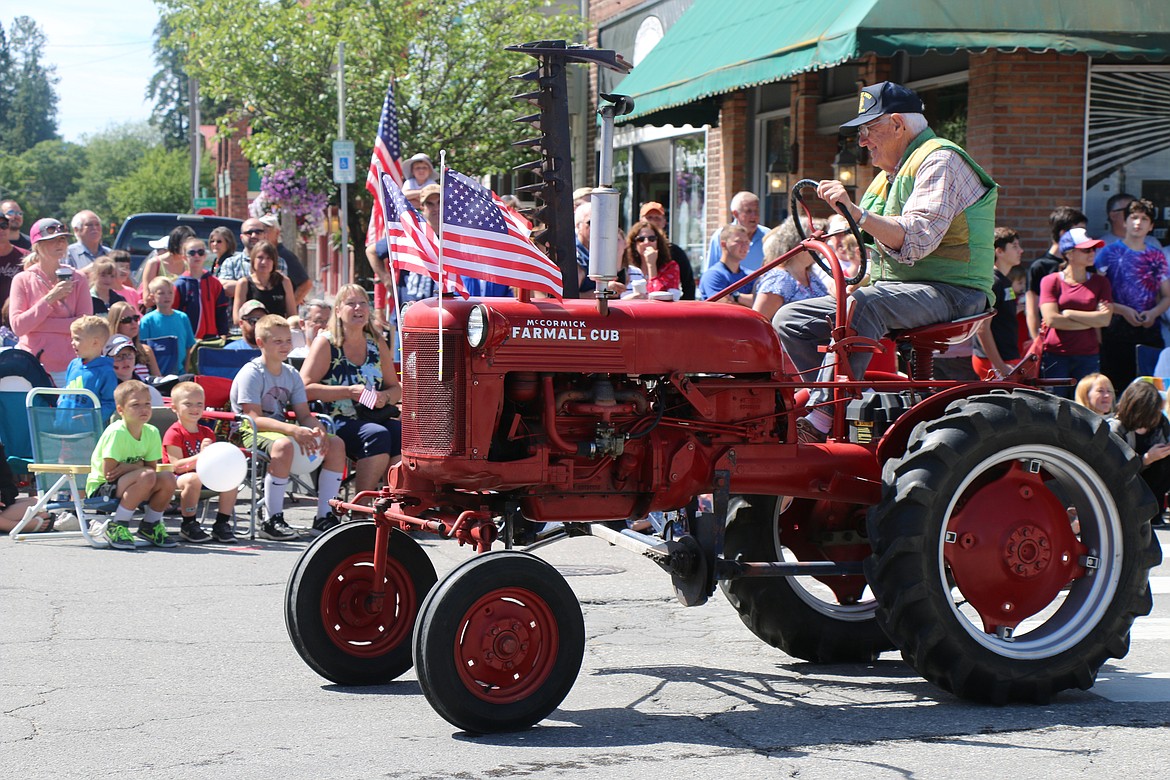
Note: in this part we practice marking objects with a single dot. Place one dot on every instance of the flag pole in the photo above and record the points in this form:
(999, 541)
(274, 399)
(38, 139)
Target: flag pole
(442, 278)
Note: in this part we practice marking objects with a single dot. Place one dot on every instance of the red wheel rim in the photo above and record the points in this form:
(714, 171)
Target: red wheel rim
(347, 612)
(507, 645)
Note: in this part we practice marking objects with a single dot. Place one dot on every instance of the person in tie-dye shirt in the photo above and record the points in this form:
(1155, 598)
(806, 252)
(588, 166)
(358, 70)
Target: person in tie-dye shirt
(1140, 279)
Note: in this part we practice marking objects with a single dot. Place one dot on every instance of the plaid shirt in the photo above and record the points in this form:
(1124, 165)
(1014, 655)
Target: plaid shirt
(238, 266)
(944, 187)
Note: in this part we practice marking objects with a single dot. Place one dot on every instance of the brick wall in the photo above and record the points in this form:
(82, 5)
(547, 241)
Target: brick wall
(1026, 127)
(231, 159)
(727, 159)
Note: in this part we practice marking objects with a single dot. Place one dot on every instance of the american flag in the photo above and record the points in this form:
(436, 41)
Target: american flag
(485, 239)
(410, 240)
(368, 398)
(387, 159)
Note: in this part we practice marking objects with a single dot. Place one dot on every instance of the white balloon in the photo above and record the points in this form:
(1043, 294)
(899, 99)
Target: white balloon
(302, 464)
(221, 466)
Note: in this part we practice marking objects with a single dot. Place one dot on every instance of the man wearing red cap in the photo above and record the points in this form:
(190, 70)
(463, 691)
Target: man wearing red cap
(653, 212)
(931, 213)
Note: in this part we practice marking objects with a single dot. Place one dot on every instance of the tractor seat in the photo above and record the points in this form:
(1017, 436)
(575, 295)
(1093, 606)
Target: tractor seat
(928, 339)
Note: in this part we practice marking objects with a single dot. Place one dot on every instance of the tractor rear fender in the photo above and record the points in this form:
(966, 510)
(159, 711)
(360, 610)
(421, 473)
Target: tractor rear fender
(893, 443)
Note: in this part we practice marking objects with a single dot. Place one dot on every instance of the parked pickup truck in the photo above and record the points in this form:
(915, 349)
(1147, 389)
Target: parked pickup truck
(139, 230)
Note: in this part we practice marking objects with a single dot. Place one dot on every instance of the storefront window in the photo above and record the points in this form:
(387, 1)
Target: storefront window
(689, 213)
(776, 150)
(1127, 151)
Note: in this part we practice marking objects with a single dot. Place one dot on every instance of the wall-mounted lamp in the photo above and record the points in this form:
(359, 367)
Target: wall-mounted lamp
(845, 164)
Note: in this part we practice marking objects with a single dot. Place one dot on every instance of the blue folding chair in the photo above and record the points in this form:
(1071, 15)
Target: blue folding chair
(63, 440)
(226, 363)
(166, 353)
(1147, 362)
(14, 431)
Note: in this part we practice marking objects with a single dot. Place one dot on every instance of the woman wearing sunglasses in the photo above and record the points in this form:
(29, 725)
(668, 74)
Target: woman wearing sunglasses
(47, 297)
(124, 320)
(647, 265)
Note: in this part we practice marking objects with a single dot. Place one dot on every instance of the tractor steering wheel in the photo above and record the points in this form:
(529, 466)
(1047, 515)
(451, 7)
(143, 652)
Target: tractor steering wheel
(796, 199)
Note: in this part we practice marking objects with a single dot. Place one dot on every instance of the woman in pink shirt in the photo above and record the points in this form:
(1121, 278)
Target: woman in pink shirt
(46, 299)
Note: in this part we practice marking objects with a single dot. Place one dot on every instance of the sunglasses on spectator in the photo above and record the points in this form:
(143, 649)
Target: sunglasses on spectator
(643, 239)
(54, 230)
(251, 320)
(129, 319)
(252, 232)
(14, 213)
(196, 253)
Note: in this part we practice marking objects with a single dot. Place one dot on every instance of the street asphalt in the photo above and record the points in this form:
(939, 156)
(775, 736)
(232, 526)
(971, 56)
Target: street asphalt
(176, 664)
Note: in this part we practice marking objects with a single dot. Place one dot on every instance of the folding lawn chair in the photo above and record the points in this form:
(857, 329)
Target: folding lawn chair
(166, 354)
(63, 440)
(213, 361)
(14, 431)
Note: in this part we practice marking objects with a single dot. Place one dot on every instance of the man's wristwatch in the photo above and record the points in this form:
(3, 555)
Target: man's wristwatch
(864, 216)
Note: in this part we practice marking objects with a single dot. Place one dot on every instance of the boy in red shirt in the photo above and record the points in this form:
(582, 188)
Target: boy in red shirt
(181, 445)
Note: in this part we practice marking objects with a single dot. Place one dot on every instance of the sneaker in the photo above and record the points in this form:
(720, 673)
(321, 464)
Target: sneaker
(119, 536)
(156, 534)
(277, 530)
(67, 521)
(324, 523)
(807, 433)
(191, 531)
(222, 533)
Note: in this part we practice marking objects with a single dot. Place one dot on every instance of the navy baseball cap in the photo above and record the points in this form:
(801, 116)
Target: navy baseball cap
(882, 98)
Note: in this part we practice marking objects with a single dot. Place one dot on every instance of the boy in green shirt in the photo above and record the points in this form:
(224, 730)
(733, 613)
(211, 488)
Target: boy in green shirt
(123, 465)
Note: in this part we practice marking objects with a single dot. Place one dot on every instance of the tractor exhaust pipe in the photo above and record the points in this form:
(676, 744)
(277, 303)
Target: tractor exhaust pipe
(606, 202)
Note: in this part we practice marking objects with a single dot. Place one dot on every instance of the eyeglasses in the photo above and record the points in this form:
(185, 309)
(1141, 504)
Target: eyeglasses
(643, 239)
(196, 253)
(14, 213)
(129, 319)
(864, 131)
(251, 320)
(253, 232)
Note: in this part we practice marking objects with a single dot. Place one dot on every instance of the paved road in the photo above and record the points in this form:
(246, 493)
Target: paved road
(176, 665)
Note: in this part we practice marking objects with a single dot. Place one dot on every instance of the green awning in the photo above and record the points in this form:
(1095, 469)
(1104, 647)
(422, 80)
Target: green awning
(719, 46)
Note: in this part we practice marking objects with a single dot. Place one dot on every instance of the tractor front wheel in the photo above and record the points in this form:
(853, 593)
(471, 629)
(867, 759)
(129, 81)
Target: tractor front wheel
(499, 642)
(337, 624)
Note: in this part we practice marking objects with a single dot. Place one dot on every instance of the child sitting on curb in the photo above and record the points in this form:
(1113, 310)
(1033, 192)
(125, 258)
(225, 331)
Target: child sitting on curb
(265, 389)
(123, 465)
(181, 445)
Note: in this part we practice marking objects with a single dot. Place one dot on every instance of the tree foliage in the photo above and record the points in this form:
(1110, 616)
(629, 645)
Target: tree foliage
(169, 89)
(272, 62)
(44, 176)
(161, 182)
(28, 102)
(110, 155)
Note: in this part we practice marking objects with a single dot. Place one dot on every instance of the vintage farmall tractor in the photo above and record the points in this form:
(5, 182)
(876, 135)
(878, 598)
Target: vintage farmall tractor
(996, 535)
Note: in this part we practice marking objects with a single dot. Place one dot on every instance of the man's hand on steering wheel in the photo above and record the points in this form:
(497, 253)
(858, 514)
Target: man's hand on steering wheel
(834, 193)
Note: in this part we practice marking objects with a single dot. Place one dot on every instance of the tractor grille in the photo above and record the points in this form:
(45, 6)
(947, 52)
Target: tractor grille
(433, 412)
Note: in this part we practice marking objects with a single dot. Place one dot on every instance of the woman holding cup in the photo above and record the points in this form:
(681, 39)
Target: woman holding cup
(649, 270)
(47, 298)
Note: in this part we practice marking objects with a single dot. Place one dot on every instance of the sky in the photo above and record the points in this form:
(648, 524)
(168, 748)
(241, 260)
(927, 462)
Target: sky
(102, 51)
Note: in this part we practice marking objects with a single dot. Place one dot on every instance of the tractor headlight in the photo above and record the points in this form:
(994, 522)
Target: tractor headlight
(477, 327)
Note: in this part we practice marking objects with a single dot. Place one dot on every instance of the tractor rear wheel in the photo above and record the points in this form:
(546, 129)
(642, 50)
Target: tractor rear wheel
(802, 616)
(1012, 548)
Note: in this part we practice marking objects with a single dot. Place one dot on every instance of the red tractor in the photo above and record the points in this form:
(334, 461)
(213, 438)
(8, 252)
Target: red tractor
(995, 534)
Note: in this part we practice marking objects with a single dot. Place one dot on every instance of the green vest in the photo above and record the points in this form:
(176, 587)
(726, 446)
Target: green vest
(966, 255)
